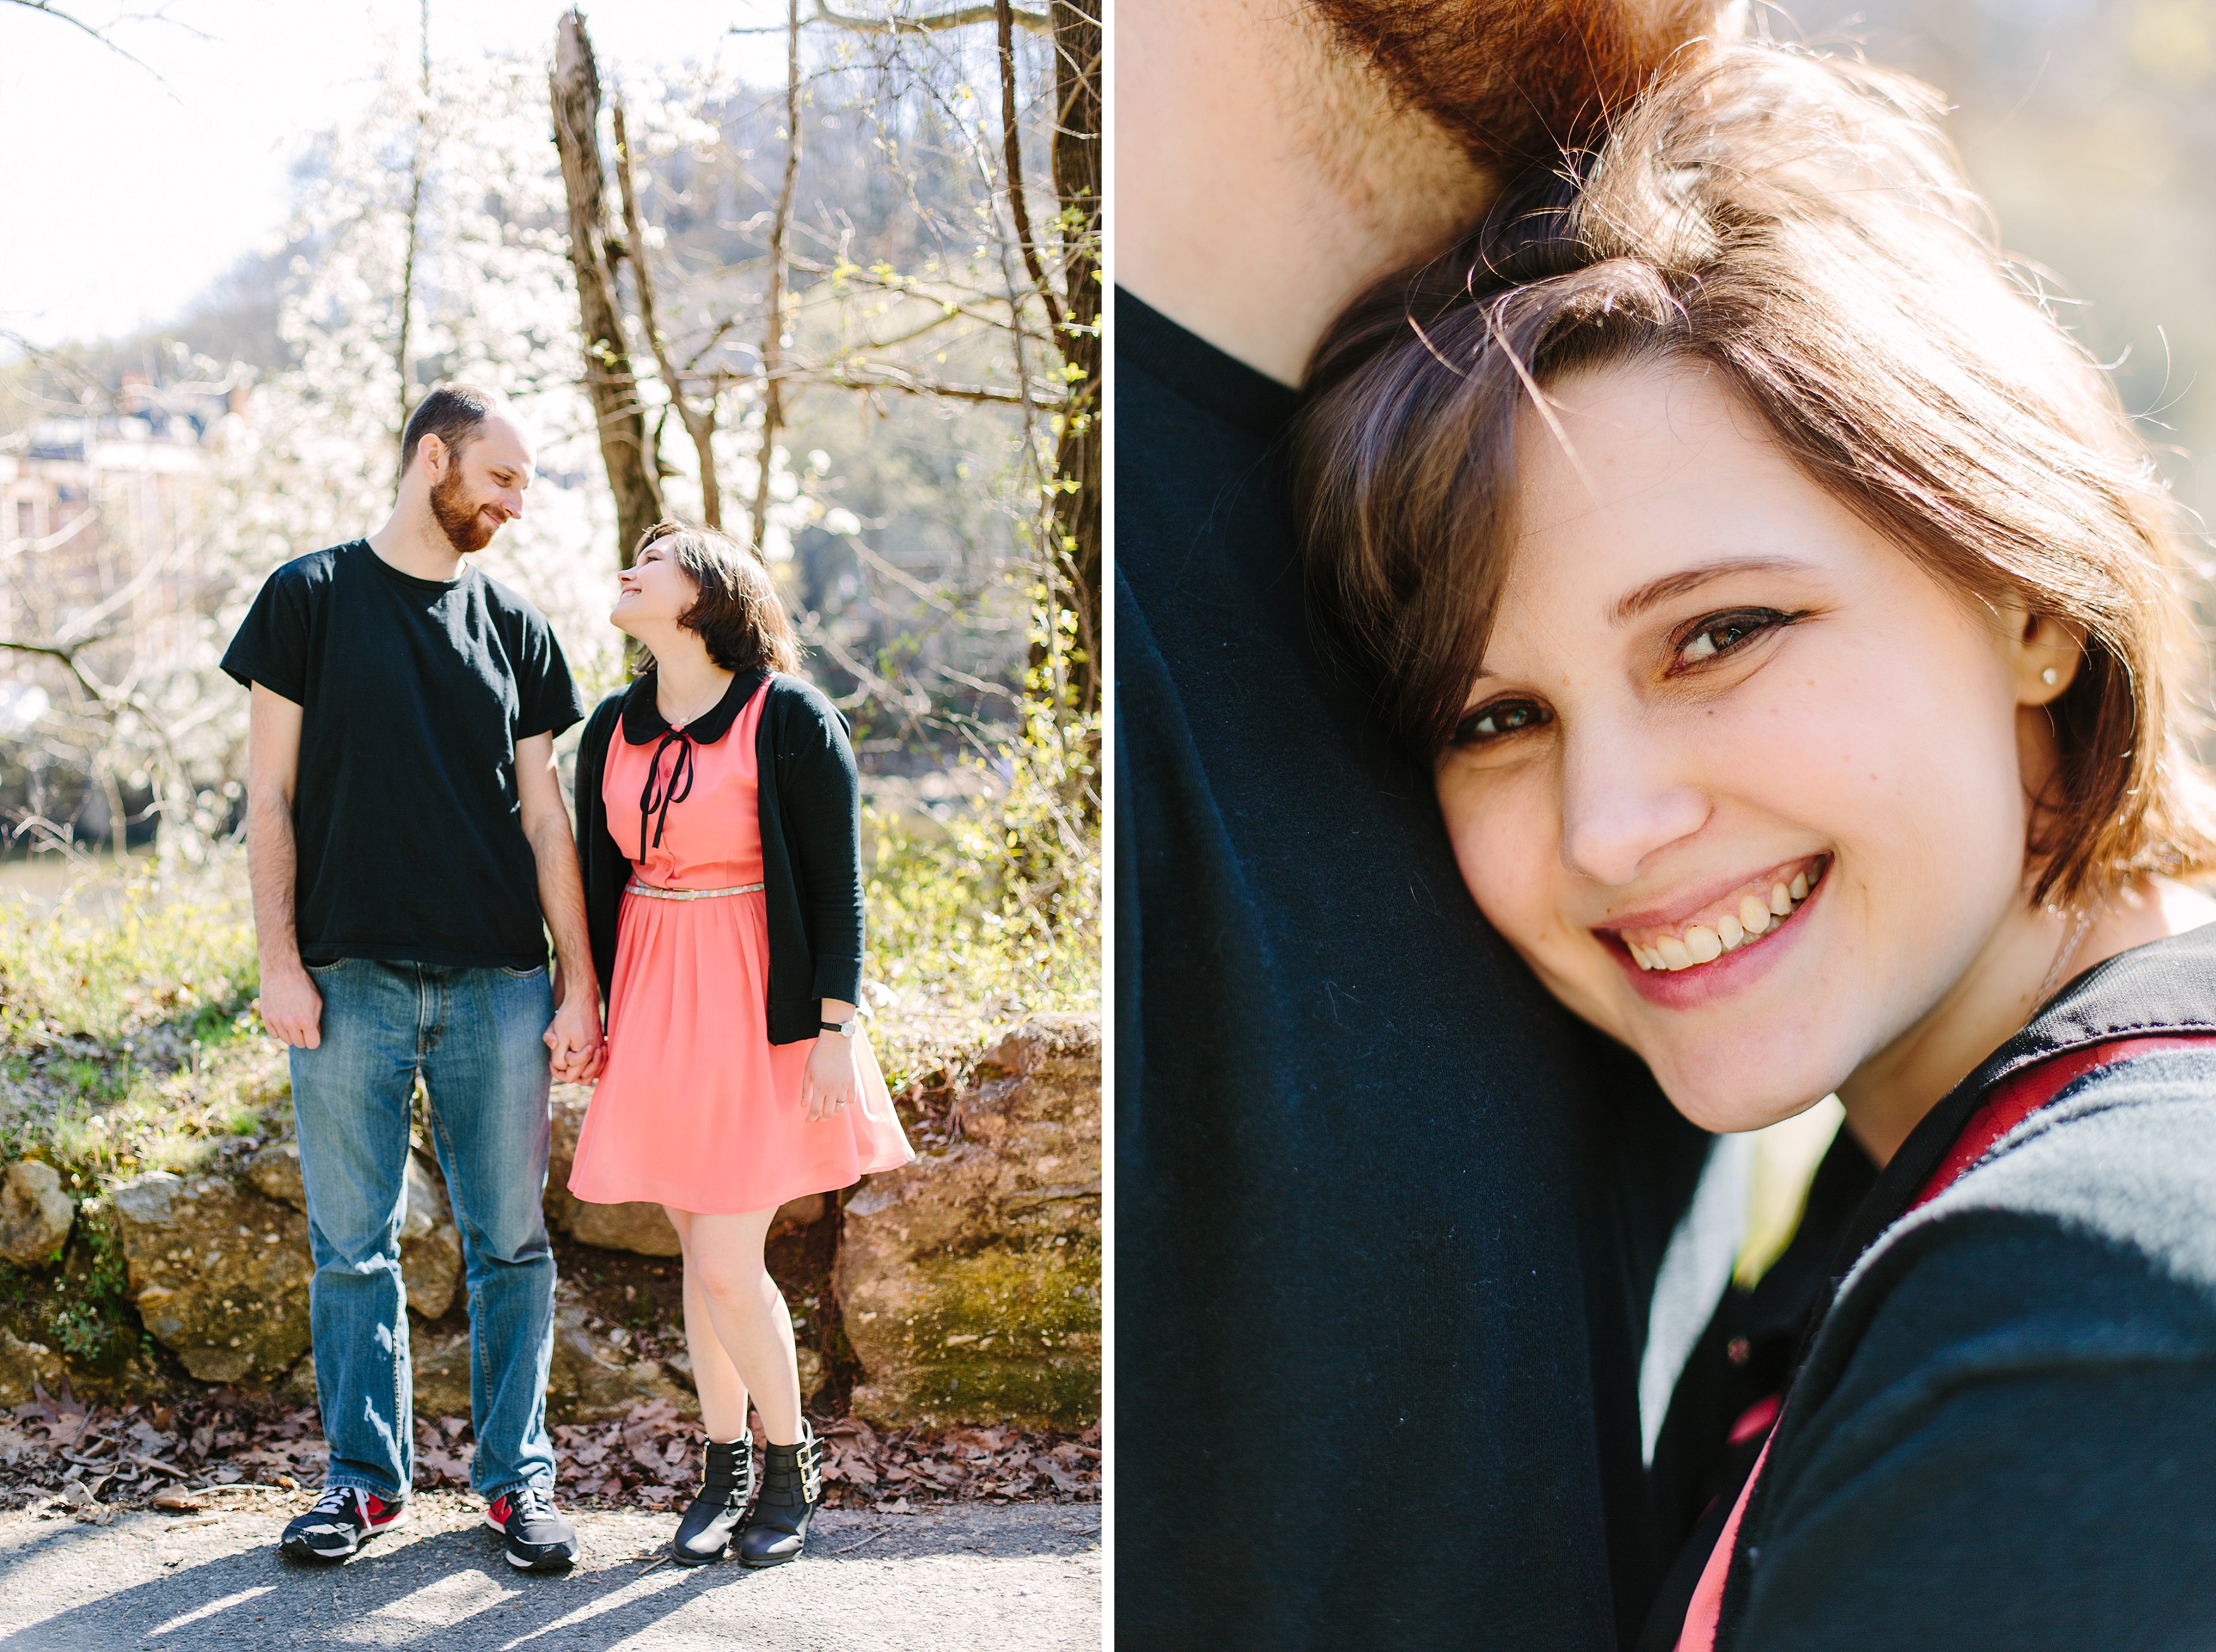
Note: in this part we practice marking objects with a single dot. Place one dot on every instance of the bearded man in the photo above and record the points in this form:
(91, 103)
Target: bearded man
(1388, 1218)
(410, 852)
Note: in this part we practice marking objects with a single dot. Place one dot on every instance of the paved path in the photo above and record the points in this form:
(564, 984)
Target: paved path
(1025, 1578)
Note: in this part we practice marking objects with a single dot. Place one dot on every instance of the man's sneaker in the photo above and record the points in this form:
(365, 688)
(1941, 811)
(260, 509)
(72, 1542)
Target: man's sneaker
(343, 1518)
(539, 1538)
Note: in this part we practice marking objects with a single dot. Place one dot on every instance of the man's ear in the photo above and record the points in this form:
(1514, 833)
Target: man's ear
(2045, 653)
(432, 454)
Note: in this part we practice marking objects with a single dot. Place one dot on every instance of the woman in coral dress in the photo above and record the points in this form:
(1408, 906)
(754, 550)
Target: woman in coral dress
(718, 827)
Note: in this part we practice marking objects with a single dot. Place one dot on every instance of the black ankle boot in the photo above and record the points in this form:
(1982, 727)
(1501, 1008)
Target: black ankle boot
(792, 1484)
(704, 1534)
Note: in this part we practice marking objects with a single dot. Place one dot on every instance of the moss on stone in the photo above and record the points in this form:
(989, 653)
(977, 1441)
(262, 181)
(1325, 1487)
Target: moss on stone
(1008, 1332)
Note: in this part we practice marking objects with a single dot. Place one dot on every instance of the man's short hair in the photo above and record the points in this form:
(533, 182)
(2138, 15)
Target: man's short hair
(453, 413)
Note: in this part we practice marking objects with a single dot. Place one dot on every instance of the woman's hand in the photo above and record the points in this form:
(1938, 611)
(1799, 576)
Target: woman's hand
(830, 1081)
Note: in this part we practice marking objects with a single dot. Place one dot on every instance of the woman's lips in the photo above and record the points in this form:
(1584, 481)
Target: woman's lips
(1698, 984)
(1739, 918)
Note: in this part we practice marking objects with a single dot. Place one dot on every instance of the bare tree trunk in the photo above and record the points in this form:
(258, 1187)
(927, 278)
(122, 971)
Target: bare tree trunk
(1077, 454)
(1011, 156)
(699, 421)
(575, 88)
(415, 217)
(774, 327)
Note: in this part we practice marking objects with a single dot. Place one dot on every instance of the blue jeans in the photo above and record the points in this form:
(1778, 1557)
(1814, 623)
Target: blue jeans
(474, 1035)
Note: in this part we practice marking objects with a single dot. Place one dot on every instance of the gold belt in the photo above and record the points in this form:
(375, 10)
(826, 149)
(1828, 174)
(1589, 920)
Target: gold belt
(654, 894)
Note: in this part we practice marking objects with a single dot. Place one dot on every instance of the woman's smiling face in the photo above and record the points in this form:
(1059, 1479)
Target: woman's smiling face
(654, 590)
(1740, 781)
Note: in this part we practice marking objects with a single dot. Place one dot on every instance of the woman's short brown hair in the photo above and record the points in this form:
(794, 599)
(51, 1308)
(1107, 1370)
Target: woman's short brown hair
(738, 614)
(1797, 225)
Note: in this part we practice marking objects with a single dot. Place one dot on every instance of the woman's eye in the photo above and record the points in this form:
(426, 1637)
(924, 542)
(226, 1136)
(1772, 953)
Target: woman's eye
(1724, 633)
(1502, 717)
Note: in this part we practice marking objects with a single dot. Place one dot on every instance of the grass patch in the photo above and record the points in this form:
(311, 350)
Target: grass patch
(981, 920)
(126, 1038)
(178, 949)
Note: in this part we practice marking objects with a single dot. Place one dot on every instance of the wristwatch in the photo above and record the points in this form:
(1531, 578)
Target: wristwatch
(845, 1029)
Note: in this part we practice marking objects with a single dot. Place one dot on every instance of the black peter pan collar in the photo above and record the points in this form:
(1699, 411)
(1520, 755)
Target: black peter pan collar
(642, 721)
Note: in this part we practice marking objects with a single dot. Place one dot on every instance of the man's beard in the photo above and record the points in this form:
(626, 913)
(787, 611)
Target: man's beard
(463, 523)
(1516, 83)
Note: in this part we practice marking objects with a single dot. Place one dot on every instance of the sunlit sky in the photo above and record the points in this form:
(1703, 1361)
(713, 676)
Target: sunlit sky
(122, 195)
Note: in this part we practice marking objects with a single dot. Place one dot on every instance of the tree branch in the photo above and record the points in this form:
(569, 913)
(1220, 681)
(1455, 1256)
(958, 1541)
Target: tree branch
(1012, 152)
(54, 541)
(700, 423)
(416, 170)
(773, 354)
(104, 693)
(936, 22)
(45, 8)
(908, 385)
(633, 476)
(909, 289)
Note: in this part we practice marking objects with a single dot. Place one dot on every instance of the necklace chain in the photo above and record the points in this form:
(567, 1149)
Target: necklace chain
(706, 706)
(2055, 972)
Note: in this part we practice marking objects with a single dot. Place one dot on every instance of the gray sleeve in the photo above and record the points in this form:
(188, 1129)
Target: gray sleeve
(2020, 1454)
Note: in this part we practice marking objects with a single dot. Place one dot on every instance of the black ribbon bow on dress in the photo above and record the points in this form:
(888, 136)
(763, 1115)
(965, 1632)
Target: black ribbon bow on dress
(679, 787)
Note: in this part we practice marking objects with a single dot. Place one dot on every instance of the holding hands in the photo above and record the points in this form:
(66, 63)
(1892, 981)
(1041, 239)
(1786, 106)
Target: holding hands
(574, 1036)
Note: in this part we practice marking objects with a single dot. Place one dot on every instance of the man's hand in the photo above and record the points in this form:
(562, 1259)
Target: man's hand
(574, 1036)
(831, 1081)
(292, 1008)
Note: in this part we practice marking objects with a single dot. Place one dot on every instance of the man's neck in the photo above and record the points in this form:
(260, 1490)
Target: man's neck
(1264, 178)
(412, 541)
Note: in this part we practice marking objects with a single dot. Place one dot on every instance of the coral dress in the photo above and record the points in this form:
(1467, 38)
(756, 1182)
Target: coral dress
(696, 1108)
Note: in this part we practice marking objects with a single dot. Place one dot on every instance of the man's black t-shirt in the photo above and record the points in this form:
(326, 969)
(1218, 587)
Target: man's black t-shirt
(1387, 1218)
(413, 693)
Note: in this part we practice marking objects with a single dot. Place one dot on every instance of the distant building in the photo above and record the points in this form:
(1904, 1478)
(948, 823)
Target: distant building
(96, 539)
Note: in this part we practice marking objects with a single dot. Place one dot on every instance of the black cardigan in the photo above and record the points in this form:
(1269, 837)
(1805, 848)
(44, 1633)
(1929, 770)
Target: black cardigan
(809, 801)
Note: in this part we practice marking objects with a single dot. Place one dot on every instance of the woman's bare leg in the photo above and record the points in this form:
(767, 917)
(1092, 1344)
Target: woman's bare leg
(723, 1264)
(722, 1391)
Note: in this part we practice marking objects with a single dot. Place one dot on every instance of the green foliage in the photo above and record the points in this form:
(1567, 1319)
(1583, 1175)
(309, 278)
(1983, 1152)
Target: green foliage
(84, 1313)
(1008, 1333)
(176, 946)
(90, 1321)
(1005, 904)
(127, 1042)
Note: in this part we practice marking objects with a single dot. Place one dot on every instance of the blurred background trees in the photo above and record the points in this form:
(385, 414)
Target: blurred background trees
(851, 316)
(2089, 125)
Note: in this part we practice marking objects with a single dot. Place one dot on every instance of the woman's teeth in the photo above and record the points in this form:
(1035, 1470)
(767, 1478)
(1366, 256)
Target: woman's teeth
(1728, 926)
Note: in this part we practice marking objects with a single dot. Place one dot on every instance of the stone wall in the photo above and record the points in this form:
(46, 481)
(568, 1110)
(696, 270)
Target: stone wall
(969, 1282)
(967, 1285)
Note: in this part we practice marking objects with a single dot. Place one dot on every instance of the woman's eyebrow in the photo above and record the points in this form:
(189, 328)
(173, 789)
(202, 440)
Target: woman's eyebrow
(1686, 579)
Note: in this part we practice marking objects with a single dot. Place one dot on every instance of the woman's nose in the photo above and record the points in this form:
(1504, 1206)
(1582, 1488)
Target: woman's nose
(1622, 801)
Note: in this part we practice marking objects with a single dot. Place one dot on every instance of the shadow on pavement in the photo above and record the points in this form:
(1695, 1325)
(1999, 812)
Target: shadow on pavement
(450, 1588)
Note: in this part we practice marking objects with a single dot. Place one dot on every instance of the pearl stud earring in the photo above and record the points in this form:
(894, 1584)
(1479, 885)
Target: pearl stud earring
(2050, 676)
